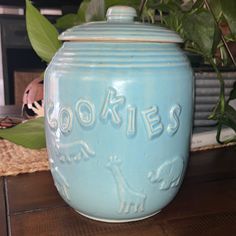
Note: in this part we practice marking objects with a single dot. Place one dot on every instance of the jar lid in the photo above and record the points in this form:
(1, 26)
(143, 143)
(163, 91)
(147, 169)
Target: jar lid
(120, 27)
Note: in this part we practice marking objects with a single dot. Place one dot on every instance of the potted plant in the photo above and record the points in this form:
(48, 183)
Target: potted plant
(207, 27)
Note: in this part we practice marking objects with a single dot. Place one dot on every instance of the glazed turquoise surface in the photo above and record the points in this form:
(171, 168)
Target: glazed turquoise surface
(118, 124)
(120, 27)
(120, 32)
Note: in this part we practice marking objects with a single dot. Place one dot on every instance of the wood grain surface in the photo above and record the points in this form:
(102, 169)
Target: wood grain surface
(3, 215)
(205, 205)
(28, 192)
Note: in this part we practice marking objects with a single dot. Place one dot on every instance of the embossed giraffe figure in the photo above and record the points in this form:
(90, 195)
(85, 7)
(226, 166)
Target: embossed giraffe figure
(130, 200)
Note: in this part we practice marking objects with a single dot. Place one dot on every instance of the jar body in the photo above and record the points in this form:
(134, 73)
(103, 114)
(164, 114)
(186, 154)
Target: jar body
(118, 125)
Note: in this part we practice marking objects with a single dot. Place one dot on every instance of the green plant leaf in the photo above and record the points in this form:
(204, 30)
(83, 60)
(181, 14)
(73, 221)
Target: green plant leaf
(198, 4)
(166, 7)
(29, 134)
(83, 9)
(68, 21)
(187, 5)
(232, 95)
(224, 56)
(229, 12)
(200, 28)
(95, 10)
(152, 3)
(42, 34)
(89, 10)
(216, 39)
(174, 21)
(226, 118)
(216, 7)
(230, 117)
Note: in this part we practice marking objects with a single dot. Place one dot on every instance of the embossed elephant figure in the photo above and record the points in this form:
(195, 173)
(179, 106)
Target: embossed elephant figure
(168, 174)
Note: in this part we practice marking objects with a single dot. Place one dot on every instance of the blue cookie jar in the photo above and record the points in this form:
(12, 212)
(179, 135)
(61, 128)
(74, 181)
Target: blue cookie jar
(118, 104)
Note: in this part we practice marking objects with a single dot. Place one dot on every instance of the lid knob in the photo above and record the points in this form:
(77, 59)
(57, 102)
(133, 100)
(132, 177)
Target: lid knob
(121, 14)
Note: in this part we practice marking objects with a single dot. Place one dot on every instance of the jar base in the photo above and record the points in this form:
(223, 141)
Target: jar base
(117, 221)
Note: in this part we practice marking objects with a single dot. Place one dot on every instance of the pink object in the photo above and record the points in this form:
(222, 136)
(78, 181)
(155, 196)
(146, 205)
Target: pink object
(33, 94)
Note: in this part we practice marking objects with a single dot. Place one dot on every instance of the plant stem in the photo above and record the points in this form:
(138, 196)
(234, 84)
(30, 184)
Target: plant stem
(161, 14)
(221, 34)
(222, 86)
(221, 102)
(141, 7)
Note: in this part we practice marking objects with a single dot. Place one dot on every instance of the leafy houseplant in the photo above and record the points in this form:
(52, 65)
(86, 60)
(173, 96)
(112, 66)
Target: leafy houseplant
(200, 23)
(43, 36)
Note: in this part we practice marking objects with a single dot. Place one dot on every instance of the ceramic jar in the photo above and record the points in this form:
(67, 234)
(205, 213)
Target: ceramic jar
(118, 104)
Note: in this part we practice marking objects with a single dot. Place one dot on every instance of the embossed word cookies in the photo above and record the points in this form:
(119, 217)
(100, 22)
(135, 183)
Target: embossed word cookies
(86, 116)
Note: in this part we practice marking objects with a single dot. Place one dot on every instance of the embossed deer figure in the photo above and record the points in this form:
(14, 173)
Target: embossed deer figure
(130, 200)
(74, 151)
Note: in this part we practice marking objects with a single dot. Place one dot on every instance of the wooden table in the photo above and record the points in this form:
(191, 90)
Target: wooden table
(205, 205)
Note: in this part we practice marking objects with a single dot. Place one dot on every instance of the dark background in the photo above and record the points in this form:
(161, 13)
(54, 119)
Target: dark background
(17, 53)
